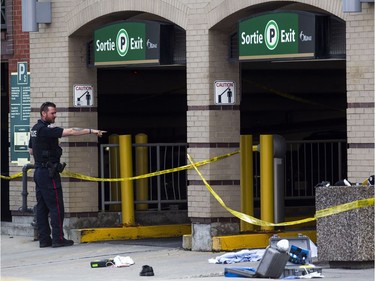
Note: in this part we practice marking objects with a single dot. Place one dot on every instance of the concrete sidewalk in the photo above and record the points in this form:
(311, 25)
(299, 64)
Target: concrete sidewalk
(22, 259)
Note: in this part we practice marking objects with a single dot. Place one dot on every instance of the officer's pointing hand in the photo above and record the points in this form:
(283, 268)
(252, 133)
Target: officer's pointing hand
(99, 133)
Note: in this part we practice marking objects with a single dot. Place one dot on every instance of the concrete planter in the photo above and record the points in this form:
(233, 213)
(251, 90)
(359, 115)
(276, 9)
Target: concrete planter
(345, 239)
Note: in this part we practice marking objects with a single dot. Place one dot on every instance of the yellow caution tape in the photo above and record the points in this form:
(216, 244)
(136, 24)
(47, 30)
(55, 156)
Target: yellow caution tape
(319, 214)
(252, 220)
(12, 176)
(363, 203)
(158, 173)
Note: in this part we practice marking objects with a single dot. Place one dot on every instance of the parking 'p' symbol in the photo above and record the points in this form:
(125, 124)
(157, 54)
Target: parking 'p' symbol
(22, 73)
(271, 33)
(122, 42)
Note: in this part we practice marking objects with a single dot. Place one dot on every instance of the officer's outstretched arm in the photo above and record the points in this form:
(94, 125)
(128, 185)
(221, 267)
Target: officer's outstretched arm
(80, 131)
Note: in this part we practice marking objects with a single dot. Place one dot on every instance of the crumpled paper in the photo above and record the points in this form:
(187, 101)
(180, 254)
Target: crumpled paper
(120, 261)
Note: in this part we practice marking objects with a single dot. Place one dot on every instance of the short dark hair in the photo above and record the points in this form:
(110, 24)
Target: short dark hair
(45, 105)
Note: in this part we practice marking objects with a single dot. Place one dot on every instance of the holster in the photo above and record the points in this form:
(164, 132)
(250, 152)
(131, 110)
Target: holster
(54, 168)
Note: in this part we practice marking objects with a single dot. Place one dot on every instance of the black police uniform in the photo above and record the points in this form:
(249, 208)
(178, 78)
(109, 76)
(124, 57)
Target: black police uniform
(49, 195)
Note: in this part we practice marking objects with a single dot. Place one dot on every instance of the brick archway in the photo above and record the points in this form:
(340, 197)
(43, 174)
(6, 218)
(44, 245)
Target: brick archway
(217, 13)
(84, 13)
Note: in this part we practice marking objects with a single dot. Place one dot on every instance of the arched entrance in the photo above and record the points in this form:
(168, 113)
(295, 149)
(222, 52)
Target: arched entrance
(302, 98)
(140, 90)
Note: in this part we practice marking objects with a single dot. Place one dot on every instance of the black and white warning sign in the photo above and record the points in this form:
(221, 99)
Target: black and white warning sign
(83, 95)
(225, 92)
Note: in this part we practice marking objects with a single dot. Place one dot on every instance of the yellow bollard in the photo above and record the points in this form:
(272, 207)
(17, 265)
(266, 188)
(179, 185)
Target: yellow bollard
(247, 179)
(141, 160)
(266, 180)
(115, 191)
(126, 171)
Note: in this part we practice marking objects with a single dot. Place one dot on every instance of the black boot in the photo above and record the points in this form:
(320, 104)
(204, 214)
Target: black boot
(63, 243)
(147, 271)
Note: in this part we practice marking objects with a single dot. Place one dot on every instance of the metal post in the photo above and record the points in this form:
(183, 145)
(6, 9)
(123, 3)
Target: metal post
(158, 168)
(126, 171)
(247, 179)
(141, 160)
(24, 192)
(102, 184)
(279, 149)
(266, 180)
(115, 191)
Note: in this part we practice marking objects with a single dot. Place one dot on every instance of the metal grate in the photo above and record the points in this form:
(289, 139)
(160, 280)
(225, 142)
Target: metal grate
(165, 192)
(308, 163)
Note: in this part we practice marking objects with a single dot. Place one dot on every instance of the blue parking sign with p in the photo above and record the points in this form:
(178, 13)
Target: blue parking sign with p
(22, 78)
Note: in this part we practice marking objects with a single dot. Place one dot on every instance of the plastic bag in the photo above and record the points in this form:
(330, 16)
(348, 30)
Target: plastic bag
(123, 261)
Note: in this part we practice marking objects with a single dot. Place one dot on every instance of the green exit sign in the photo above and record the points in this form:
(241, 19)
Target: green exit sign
(277, 35)
(131, 43)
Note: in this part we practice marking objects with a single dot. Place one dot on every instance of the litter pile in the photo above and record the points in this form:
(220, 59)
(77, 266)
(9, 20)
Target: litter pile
(344, 182)
(117, 261)
(288, 258)
(120, 261)
(240, 256)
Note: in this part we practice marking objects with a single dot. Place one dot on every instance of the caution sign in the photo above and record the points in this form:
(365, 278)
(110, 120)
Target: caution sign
(83, 95)
(225, 92)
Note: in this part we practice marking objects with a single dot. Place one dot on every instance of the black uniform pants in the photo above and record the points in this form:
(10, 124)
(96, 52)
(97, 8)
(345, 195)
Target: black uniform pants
(49, 198)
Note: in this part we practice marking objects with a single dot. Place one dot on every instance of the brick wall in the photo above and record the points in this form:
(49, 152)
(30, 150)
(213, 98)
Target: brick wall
(52, 79)
(57, 62)
(360, 93)
(20, 39)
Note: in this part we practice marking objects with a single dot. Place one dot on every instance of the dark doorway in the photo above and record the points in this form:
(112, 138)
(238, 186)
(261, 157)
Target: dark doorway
(5, 211)
(294, 99)
(304, 102)
(144, 100)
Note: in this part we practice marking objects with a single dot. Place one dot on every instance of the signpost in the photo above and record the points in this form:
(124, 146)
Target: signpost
(83, 95)
(20, 115)
(225, 92)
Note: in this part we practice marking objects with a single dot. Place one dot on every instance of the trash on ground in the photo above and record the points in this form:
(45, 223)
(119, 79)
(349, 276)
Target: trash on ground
(147, 271)
(101, 263)
(240, 256)
(123, 261)
(271, 265)
(280, 259)
(117, 261)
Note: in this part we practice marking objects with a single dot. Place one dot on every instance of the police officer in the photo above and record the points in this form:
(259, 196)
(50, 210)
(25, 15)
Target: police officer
(44, 146)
